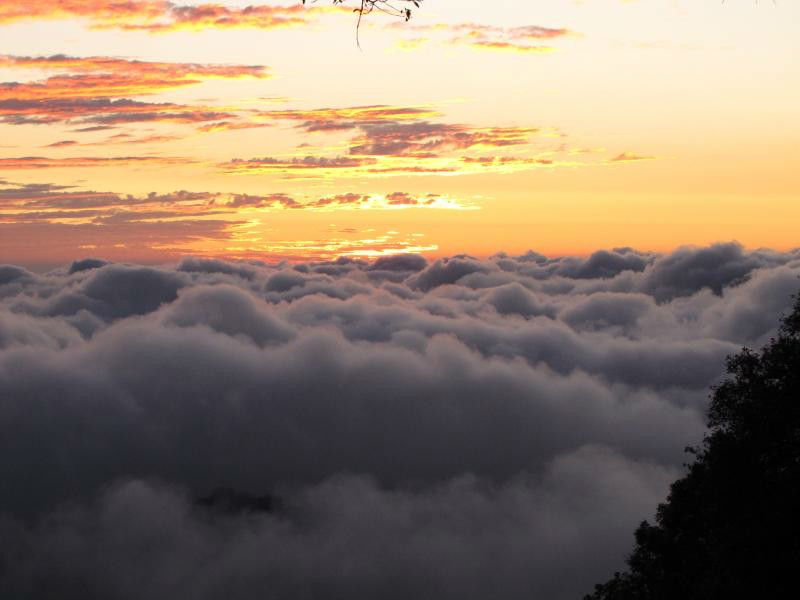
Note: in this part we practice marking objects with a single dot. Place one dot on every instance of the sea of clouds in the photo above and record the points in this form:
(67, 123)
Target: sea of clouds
(459, 428)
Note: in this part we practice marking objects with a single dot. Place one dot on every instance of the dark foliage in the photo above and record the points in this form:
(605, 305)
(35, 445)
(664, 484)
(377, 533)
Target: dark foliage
(731, 527)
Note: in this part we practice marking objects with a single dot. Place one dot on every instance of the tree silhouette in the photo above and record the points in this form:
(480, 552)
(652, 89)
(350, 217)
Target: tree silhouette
(731, 527)
(396, 8)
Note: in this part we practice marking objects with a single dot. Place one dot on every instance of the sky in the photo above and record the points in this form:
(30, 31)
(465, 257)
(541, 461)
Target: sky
(150, 130)
(425, 309)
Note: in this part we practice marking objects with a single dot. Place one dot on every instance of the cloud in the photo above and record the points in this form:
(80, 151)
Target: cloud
(447, 271)
(392, 201)
(510, 47)
(250, 201)
(158, 16)
(305, 163)
(715, 267)
(210, 265)
(101, 93)
(98, 89)
(43, 162)
(468, 427)
(404, 140)
(12, 273)
(108, 77)
(603, 264)
(105, 113)
(396, 140)
(346, 537)
(10, 191)
(628, 157)
(399, 263)
(516, 299)
(116, 234)
(226, 310)
(158, 227)
(515, 39)
(333, 119)
(218, 16)
(383, 162)
(423, 139)
(86, 264)
(62, 144)
(523, 39)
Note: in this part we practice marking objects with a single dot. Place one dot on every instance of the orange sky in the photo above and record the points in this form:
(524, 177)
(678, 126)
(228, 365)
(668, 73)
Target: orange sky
(149, 130)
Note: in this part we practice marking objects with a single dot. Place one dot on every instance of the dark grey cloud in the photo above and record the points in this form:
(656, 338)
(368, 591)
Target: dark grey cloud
(448, 271)
(603, 264)
(608, 310)
(11, 273)
(689, 270)
(346, 537)
(399, 262)
(86, 264)
(229, 310)
(208, 265)
(516, 299)
(283, 281)
(457, 429)
(118, 291)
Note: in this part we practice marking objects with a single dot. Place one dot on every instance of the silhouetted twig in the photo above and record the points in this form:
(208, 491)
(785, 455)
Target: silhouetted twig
(396, 8)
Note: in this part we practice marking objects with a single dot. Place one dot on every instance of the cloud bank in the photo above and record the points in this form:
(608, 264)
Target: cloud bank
(459, 428)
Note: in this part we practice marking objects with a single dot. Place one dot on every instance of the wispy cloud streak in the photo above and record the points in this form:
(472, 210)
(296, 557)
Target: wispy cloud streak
(157, 16)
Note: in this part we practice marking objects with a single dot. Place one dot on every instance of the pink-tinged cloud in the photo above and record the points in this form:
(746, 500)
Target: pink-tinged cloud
(395, 140)
(103, 114)
(513, 39)
(96, 91)
(40, 221)
(42, 162)
(510, 47)
(218, 16)
(340, 119)
(428, 140)
(495, 161)
(306, 163)
(344, 201)
(49, 201)
(156, 16)
(231, 125)
(390, 147)
(239, 201)
(523, 39)
(46, 220)
(628, 157)
(62, 144)
(121, 240)
(102, 77)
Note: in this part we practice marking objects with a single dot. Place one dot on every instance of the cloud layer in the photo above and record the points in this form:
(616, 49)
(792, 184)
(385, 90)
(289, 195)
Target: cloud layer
(156, 16)
(96, 94)
(458, 428)
(523, 39)
(158, 227)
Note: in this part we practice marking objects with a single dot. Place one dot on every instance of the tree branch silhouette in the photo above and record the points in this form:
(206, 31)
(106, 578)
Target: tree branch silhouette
(395, 8)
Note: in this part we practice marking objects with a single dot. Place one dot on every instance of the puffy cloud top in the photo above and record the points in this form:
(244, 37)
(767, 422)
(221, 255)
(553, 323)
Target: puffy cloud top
(463, 428)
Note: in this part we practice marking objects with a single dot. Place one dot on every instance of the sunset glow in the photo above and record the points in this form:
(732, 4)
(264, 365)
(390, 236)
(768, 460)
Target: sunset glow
(152, 130)
(399, 299)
